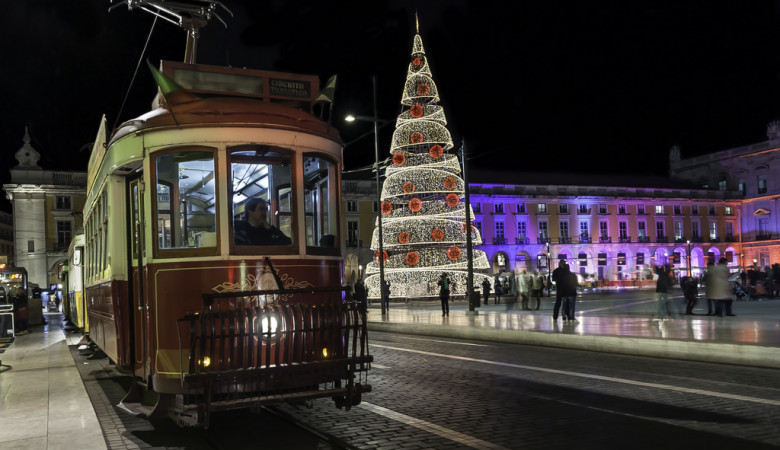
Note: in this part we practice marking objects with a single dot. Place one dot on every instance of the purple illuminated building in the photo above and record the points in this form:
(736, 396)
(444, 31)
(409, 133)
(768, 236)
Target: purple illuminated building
(754, 172)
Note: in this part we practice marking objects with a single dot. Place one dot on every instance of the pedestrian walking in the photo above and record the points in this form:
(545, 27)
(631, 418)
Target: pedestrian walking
(361, 295)
(536, 289)
(718, 287)
(558, 276)
(523, 288)
(662, 288)
(444, 294)
(498, 290)
(690, 288)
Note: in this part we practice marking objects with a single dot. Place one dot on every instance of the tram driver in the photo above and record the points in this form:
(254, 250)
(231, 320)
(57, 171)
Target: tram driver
(255, 229)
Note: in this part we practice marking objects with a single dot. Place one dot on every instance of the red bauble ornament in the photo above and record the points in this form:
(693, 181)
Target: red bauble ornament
(387, 207)
(436, 151)
(453, 253)
(399, 159)
(415, 204)
(403, 238)
(452, 200)
(423, 89)
(416, 62)
(416, 137)
(412, 258)
(437, 234)
(450, 183)
(408, 187)
(384, 256)
(416, 111)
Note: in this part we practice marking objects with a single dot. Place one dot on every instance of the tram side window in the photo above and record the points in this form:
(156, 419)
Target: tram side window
(320, 202)
(262, 197)
(186, 200)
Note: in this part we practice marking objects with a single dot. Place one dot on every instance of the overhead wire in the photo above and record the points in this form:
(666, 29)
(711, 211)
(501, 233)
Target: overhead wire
(132, 81)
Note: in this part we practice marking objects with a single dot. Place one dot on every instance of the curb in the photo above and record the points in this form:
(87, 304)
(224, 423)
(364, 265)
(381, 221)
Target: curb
(723, 353)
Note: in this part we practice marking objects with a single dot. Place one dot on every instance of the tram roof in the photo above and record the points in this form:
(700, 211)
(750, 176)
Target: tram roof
(228, 111)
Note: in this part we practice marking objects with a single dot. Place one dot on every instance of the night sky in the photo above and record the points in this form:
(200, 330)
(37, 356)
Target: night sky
(597, 86)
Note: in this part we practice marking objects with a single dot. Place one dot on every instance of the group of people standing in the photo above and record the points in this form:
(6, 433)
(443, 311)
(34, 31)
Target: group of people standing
(718, 290)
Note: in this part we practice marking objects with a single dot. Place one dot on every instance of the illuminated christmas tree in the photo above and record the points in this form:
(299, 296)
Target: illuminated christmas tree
(423, 213)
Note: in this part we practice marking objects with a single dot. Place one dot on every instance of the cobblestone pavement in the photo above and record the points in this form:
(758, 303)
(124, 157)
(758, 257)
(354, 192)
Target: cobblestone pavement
(437, 393)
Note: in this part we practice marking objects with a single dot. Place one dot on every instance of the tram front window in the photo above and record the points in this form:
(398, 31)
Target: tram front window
(186, 201)
(262, 197)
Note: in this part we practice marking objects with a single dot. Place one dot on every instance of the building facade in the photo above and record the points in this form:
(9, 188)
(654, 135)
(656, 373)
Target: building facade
(7, 254)
(47, 207)
(605, 233)
(753, 171)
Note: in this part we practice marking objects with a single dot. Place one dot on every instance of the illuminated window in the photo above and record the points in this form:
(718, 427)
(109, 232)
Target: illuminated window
(678, 230)
(320, 187)
(541, 208)
(659, 209)
(543, 232)
(722, 185)
(713, 230)
(641, 230)
(728, 210)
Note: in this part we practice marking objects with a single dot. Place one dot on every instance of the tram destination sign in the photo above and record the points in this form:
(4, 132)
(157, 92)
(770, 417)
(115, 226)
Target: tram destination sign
(210, 80)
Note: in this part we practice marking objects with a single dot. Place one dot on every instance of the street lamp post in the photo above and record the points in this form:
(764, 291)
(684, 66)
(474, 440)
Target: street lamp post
(690, 273)
(382, 298)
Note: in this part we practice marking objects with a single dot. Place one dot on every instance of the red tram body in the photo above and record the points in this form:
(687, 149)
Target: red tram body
(204, 319)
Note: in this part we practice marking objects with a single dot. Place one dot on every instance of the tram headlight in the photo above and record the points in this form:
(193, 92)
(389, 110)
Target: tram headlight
(206, 361)
(269, 325)
(324, 352)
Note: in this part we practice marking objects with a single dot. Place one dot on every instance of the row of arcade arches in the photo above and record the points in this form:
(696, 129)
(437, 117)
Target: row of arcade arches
(605, 264)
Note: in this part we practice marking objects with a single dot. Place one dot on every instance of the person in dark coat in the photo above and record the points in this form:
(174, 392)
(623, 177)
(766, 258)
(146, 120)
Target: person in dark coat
(690, 288)
(361, 295)
(662, 288)
(486, 290)
(444, 293)
(499, 290)
(557, 276)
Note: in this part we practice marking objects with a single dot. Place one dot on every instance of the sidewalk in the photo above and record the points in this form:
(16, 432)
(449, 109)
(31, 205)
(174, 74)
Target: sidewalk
(752, 338)
(43, 401)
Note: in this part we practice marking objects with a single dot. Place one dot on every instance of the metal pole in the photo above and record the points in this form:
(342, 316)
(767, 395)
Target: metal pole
(469, 252)
(382, 299)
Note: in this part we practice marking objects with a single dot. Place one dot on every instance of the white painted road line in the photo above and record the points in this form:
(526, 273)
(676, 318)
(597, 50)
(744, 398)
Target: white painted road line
(424, 425)
(594, 377)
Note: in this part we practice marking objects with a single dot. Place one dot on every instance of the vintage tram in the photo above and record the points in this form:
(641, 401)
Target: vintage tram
(213, 252)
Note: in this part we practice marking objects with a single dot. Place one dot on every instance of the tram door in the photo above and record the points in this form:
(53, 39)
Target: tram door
(140, 310)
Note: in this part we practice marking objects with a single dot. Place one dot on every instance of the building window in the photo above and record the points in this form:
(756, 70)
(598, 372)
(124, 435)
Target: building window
(713, 231)
(678, 231)
(499, 232)
(521, 208)
(623, 229)
(659, 230)
(478, 225)
(62, 202)
(694, 209)
(477, 207)
(602, 208)
(564, 230)
(603, 228)
(659, 209)
(352, 232)
(542, 208)
(728, 210)
(762, 184)
(696, 230)
(677, 210)
(621, 209)
(563, 208)
(582, 209)
(498, 208)
(763, 227)
(30, 246)
(640, 209)
(721, 185)
(352, 206)
(521, 231)
(584, 232)
(64, 229)
(711, 210)
(763, 259)
(730, 231)
(602, 259)
(641, 230)
(741, 186)
(543, 232)
(621, 259)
